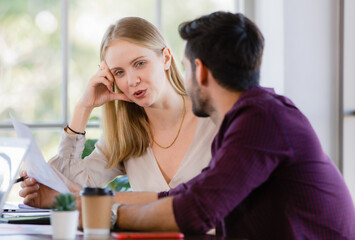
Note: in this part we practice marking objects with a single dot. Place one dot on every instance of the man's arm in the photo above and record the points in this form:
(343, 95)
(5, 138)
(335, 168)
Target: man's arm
(135, 197)
(155, 216)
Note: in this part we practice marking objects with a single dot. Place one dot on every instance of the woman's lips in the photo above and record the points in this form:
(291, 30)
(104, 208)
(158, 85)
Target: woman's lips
(140, 93)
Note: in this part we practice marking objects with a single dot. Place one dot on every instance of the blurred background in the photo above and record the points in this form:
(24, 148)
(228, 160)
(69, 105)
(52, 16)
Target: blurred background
(49, 49)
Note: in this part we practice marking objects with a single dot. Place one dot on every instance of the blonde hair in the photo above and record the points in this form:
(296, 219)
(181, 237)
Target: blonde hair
(126, 125)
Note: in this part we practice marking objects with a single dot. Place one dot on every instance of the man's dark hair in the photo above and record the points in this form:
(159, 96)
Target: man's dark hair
(229, 45)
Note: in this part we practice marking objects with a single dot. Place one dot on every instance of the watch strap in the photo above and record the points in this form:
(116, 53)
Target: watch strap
(114, 214)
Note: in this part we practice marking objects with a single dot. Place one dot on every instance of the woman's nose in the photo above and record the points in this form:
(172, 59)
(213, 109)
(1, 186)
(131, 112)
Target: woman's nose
(133, 81)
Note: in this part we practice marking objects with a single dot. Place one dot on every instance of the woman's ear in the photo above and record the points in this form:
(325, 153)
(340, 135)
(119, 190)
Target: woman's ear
(201, 73)
(167, 58)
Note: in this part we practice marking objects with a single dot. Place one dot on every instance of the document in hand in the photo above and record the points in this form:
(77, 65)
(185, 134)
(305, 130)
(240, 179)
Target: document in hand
(35, 164)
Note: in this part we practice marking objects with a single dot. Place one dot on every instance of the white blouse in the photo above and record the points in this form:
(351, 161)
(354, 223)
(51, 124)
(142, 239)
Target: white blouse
(143, 172)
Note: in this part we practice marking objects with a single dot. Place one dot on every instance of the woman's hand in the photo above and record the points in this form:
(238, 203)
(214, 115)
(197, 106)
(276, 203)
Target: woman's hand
(36, 194)
(100, 89)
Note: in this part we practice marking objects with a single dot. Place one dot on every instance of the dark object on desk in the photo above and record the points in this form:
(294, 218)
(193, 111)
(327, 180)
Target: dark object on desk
(148, 235)
(20, 179)
(42, 220)
(25, 210)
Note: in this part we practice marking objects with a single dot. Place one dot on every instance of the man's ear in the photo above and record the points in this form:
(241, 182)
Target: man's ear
(167, 58)
(201, 73)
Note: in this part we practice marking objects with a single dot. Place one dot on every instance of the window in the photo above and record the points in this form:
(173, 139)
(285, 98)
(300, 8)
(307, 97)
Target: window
(50, 49)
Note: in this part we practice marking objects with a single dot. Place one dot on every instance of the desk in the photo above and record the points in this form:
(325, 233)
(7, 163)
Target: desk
(34, 237)
(21, 232)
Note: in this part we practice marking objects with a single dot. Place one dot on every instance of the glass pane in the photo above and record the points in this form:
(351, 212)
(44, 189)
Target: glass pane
(349, 96)
(88, 22)
(176, 12)
(349, 153)
(30, 62)
(47, 140)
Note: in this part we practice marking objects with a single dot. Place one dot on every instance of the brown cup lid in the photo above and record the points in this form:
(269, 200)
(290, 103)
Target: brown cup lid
(93, 191)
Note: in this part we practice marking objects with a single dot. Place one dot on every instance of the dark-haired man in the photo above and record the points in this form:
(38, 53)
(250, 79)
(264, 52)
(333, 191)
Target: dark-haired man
(269, 177)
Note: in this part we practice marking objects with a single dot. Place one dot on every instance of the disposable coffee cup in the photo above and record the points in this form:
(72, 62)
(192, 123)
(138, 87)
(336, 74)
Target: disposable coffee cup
(96, 210)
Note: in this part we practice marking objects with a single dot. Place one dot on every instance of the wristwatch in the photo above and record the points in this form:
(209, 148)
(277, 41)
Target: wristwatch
(114, 214)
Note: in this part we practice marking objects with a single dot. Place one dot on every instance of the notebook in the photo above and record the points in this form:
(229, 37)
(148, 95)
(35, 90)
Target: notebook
(12, 153)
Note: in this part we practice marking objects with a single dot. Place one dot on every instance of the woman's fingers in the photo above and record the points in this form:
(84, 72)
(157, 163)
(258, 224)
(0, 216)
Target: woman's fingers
(100, 88)
(23, 173)
(28, 200)
(28, 182)
(105, 73)
(110, 78)
(107, 83)
(108, 73)
(120, 96)
(28, 186)
(28, 190)
(99, 79)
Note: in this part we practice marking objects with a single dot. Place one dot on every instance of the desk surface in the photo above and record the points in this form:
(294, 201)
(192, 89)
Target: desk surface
(33, 237)
(29, 232)
(32, 232)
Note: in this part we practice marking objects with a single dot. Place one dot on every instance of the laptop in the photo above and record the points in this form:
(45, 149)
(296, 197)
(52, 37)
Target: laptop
(12, 153)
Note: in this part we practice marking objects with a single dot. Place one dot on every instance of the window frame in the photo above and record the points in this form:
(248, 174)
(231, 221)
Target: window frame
(238, 6)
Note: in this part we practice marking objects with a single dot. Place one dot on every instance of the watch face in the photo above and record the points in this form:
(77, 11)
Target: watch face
(113, 219)
(114, 212)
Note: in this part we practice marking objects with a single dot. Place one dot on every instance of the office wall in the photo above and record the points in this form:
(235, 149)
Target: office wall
(301, 59)
(311, 65)
(349, 95)
(269, 16)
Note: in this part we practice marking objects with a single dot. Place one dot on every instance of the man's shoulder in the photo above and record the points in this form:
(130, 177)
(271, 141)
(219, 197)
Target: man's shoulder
(260, 110)
(262, 100)
(255, 101)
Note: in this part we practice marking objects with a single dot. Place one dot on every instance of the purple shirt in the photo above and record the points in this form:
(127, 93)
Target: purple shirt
(268, 178)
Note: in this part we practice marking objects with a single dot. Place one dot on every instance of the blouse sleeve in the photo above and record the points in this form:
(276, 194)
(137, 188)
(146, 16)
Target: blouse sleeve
(90, 171)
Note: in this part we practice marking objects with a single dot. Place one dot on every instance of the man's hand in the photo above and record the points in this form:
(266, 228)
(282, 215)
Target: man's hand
(155, 216)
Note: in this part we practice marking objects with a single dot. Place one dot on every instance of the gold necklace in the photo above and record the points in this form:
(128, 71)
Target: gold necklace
(182, 120)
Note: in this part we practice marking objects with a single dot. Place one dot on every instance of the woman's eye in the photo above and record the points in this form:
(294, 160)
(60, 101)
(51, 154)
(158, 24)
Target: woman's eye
(118, 73)
(139, 64)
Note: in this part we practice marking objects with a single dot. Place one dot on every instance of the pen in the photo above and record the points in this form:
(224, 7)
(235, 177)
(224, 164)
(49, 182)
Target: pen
(20, 179)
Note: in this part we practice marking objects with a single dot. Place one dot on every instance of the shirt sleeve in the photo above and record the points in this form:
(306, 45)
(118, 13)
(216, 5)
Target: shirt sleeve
(90, 171)
(244, 160)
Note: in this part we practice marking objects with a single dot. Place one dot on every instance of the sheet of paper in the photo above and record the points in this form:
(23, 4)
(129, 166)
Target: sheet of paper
(17, 205)
(35, 164)
(11, 205)
(29, 214)
(20, 229)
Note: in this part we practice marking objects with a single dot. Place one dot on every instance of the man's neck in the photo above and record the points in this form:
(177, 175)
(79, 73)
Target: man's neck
(223, 103)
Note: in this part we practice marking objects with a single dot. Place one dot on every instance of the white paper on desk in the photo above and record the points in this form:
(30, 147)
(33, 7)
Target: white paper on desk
(25, 229)
(35, 164)
(25, 214)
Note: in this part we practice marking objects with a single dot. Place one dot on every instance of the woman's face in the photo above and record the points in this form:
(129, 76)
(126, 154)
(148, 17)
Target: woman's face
(139, 72)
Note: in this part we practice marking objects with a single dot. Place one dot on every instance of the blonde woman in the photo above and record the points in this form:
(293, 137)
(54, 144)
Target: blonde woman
(149, 130)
